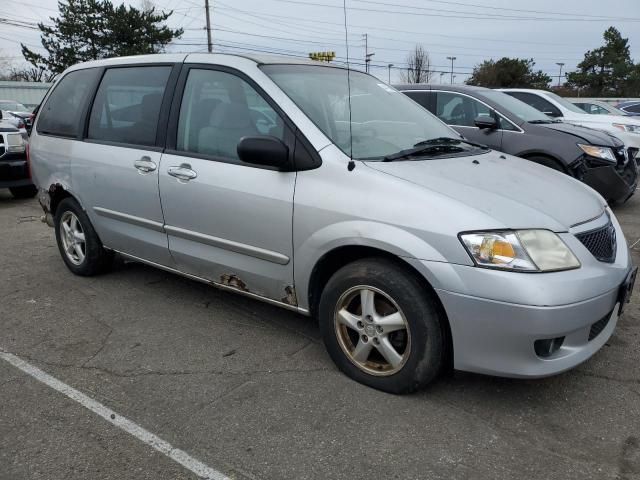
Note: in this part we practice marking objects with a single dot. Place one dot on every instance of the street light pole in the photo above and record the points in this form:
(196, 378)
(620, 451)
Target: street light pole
(209, 43)
(441, 75)
(452, 60)
(390, 65)
(560, 64)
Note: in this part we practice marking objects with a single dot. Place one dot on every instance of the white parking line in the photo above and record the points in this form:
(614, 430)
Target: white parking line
(634, 243)
(175, 454)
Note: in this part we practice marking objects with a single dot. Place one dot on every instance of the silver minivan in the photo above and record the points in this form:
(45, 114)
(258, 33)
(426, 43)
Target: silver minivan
(327, 192)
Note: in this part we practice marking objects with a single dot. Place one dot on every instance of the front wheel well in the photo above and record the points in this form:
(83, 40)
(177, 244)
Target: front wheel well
(546, 160)
(332, 261)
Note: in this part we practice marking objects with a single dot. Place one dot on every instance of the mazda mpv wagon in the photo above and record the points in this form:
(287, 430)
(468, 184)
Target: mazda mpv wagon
(327, 192)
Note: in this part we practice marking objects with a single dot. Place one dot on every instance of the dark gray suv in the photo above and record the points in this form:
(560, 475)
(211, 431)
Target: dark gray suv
(509, 125)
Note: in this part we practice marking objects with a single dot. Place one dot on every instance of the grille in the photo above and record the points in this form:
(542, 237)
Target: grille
(600, 242)
(599, 326)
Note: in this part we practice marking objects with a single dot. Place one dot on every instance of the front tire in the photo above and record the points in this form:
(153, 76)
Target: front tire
(381, 327)
(28, 191)
(78, 242)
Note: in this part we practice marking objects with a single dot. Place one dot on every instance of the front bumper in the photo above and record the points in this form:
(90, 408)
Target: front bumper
(497, 316)
(614, 183)
(498, 338)
(14, 171)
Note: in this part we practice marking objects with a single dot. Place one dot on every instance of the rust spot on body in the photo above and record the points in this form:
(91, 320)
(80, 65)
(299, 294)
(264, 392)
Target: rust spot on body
(290, 298)
(233, 281)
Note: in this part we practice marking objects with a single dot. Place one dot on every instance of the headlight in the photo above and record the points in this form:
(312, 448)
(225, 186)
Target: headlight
(625, 127)
(520, 250)
(603, 153)
(15, 143)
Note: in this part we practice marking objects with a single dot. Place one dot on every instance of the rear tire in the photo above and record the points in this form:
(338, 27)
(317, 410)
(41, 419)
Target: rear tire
(28, 191)
(78, 242)
(381, 326)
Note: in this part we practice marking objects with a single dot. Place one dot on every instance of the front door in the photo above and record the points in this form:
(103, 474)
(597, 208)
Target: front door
(116, 169)
(460, 112)
(228, 222)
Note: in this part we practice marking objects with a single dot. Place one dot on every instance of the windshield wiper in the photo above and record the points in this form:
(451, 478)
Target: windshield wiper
(433, 146)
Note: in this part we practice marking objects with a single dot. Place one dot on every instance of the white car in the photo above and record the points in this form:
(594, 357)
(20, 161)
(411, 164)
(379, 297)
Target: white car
(626, 129)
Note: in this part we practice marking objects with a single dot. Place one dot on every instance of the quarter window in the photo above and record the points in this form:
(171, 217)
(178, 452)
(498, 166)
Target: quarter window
(459, 110)
(217, 110)
(127, 105)
(62, 111)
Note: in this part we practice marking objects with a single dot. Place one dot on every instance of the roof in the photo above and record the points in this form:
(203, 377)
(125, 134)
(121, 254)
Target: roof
(200, 57)
(440, 86)
(29, 94)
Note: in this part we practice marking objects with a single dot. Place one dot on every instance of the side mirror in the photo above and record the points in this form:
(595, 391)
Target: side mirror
(486, 122)
(263, 150)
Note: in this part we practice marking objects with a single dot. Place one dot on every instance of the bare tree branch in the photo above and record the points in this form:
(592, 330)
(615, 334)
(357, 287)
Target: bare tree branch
(418, 67)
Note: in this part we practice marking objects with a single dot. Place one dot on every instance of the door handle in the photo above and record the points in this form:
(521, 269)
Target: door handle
(145, 165)
(182, 172)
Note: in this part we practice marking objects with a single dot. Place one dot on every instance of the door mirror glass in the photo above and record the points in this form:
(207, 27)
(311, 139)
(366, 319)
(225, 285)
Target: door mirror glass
(486, 121)
(263, 150)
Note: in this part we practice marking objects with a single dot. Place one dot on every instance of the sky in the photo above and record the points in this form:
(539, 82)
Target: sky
(549, 31)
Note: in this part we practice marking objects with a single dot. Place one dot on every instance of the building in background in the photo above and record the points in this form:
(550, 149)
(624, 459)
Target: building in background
(30, 94)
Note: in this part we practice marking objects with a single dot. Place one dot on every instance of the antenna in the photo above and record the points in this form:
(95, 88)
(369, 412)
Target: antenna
(352, 164)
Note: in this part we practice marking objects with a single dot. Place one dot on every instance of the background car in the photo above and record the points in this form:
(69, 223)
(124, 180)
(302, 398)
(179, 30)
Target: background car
(598, 107)
(506, 124)
(21, 116)
(15, 173)
(630, 108)
(625, 128)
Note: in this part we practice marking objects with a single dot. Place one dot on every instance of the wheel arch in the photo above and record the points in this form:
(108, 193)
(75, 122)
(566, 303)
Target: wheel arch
(333, 260)
(531, 155)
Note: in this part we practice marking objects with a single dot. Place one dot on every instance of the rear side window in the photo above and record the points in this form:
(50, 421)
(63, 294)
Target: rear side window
(127, 105)
(61, 113)
(423, 98)
(634, 108)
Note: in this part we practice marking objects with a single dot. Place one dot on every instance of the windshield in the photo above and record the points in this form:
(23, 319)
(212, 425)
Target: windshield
(12, 107)
(522, 110)
(384, 121)
(565, 103)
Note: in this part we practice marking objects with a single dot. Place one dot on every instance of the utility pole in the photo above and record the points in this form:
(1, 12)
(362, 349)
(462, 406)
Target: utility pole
(452, 60)
(390, 65)
(560, 64)
(209, 43)
(367, 55)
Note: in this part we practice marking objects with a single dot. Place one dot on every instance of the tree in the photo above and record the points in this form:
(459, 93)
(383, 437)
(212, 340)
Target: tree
(607, 70)
(418, 67)
(92, 29)
(508, 72)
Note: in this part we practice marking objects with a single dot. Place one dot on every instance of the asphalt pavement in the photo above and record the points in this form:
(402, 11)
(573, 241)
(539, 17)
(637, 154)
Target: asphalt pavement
(248, 389)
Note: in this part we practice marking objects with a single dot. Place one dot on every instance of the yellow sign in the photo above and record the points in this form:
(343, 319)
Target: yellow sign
(322, 56)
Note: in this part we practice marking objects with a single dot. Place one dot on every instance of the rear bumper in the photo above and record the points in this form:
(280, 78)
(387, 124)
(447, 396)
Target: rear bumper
(497, 338)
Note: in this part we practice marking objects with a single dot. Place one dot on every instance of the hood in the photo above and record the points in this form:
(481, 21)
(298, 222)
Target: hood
(602, 119)
(516, 193)
(586, 134)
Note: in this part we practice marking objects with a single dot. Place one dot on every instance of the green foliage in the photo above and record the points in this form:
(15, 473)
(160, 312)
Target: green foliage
(508, 72)
(92, 29)
(608, 70)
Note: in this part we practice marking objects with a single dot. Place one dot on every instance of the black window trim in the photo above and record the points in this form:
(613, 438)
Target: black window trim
(492, 109)
(163, 116)
(291, 131)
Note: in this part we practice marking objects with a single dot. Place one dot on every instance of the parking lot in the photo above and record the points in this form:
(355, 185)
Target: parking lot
(248, 390)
